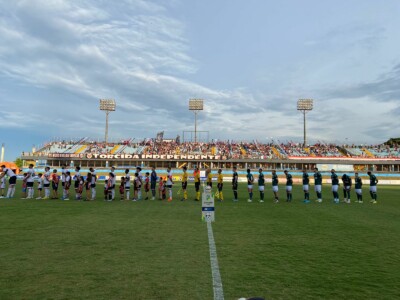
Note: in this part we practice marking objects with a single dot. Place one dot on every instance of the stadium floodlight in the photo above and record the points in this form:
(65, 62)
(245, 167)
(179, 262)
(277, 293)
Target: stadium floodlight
(305, 105)
(107, 105)
(195, 105)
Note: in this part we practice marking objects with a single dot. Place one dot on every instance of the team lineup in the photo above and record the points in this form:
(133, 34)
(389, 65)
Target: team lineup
(47, 185)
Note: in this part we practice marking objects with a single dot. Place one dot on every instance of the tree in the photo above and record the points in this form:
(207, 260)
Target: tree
(18, 162)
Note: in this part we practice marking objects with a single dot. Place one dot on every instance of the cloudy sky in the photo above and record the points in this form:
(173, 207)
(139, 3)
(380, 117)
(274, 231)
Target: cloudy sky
(250, 60)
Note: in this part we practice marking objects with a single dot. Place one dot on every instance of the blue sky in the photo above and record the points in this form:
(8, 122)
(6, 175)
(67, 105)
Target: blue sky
(250, 60)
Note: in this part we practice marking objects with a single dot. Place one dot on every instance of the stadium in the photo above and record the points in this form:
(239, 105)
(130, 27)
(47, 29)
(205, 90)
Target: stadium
(250, 151)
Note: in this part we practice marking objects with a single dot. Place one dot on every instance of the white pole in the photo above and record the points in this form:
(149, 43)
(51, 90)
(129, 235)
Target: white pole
(2, 153)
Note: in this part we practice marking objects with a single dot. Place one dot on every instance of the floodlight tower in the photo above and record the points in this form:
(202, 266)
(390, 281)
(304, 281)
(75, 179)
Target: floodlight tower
(195, 105)
(305, 105)
(107, 105)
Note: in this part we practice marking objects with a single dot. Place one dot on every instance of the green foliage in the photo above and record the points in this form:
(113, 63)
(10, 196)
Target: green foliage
(158, 250)
(18, 162)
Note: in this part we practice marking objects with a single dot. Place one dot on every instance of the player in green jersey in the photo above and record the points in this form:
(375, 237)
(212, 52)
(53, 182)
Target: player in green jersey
(275, 182)
(289, 186)
(373, 181)
(306, 181)
(347, 182)
(261, 184)
(335, 186)
(318, 184)
(358, 188)
(250, 180)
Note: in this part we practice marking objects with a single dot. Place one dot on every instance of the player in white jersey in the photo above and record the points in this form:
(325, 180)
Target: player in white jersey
(93, 183)
(40, 186)
(11, 181)
(78, 179)
(30, 179)
(170, 182)
(127, 184)
(2, 186)
(64, 171)
(46, 183)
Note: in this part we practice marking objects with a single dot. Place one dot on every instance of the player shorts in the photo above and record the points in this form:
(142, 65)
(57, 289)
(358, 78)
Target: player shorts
(220, 186)
(234, 186)
(46, 185)
(169, 186)
(250, 186)
(12, 180)
(40, 189)
(76, 185)
(63, 183)
(261, 188)
(29, 184)
(275, 188)
(54, 186)
(335, 188)
(87, 186)
(289, 188)
(92, 185)
(127, 187)
(197, 186)
(305, 187)
(372, 189)
(359, 191)
(318, 188)
(347, 187)
(146, 187)
(184, 185)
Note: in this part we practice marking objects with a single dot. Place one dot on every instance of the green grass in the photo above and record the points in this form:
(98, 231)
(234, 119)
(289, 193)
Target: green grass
(157, 250)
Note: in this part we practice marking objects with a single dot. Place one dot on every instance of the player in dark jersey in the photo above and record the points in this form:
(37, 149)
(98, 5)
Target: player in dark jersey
(153, 182)
(235, 179)
(289, 186)
(306, 181)
(335, 186)
(261, 184)
(358, 187)
(373, 181)
(347, 182)
(275, 182)
(250, 180)
(318, 184)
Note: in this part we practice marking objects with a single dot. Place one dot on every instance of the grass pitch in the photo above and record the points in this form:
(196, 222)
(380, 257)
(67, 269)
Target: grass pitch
(157, 250)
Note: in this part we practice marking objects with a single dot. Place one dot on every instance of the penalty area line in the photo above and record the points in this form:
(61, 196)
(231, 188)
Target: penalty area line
(216, 276)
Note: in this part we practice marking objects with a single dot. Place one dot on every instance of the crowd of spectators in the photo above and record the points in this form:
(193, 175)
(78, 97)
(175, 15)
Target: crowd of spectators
(226, 149)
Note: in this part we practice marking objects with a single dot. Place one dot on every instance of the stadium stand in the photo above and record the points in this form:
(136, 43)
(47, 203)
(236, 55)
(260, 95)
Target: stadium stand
(228, 149)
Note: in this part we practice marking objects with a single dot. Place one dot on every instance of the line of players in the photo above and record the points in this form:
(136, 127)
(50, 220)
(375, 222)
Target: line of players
(346, 179)
(165, 184)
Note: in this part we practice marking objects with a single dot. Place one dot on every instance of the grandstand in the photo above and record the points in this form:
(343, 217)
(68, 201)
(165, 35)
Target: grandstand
(214, 154)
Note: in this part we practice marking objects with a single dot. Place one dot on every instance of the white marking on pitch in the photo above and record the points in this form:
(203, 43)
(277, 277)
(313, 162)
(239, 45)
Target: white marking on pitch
(217, 282)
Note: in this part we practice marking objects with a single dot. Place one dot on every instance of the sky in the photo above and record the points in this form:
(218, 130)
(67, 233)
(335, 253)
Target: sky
(249, 60)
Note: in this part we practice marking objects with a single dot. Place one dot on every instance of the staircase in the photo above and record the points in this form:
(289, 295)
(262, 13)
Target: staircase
(276, 152)
(368, 153)
(81, 149)
(115, 149)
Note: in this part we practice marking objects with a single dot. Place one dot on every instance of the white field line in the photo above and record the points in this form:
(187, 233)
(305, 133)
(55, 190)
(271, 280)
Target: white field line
(217, 282)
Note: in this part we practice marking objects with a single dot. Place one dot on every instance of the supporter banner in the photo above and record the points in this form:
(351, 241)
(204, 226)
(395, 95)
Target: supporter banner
(136, 156)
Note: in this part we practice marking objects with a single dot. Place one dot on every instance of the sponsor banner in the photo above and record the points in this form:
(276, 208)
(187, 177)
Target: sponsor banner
(136, 156)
